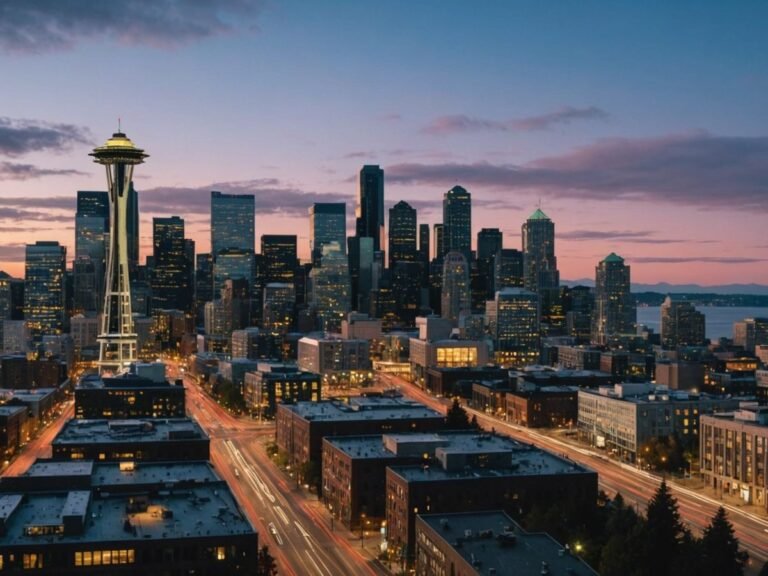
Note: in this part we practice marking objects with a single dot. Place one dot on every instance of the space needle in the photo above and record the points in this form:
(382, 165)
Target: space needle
(117, 337)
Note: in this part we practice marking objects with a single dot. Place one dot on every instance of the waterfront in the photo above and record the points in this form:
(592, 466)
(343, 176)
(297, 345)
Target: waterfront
(719, 319)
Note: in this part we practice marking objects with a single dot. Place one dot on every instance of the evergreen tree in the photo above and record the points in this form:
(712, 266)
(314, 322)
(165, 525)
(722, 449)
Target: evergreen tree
(721, 548)
(664, 533)
(456, 418)
(267, 565)
(622, 553)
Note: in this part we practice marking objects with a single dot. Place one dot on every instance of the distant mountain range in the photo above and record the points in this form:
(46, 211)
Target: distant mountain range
(666, 288)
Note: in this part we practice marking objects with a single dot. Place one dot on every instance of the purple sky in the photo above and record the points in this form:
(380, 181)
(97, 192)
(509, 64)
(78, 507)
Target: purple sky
(641, 128)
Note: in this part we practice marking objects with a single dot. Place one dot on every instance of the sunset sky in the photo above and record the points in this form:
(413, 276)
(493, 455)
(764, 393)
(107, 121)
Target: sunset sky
(640, 127)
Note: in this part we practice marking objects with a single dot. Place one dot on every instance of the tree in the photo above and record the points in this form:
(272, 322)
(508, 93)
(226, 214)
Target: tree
(664, 533)
(267, 565)
(721, 547)
(456, 418)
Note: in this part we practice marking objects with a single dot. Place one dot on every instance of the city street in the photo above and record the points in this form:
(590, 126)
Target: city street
(636, 486)
(289, 521)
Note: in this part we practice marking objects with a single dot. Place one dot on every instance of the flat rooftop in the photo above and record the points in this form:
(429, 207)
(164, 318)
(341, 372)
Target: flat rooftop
(376, 408)
(206, 511)
(113, 474)
(494, 540)
(129, 431)
(513, 459)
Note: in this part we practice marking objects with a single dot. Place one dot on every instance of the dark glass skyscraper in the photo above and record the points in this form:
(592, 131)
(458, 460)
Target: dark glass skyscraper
(327, 223)
(45, 268)
(171, 272)
(370, 206)
(280, 259)
(614, 311)
(402, 233)
(232, 222)
(457, 222)
(91, 234)
(539, 261)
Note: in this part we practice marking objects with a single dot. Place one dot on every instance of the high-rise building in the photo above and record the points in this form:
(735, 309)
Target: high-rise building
(360, 257)
(406, 281)
(615, 311)
(540, 272)
(508, 269)
(280, 258)
(439, 232)
(424, 255)
(232, 222)
(44, 291)
(233, 264)
(117, 338)
(579, 305)
(132, 229)
(456, 297)
(171, 272)
(489, 244)
(539, 261)
(681, 324)
(203, 283)
(402, 233)
(457, 221)
(91, 236)
(513, 322)
(370, 206)
(327, 223)
(750, 333)
(279, 307)
(330, 297)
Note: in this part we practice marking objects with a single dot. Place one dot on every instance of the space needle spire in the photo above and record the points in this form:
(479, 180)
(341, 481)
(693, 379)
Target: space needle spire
(117, 338)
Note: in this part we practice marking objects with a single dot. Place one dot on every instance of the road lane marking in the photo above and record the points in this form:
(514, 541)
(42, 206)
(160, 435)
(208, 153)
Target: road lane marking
(282, 515)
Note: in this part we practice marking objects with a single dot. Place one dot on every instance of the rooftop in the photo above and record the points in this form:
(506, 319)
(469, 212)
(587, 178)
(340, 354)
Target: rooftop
(492, 540)
(363, 408)
(202, 511)
(458, 453)
(128, 431)
(538, 215)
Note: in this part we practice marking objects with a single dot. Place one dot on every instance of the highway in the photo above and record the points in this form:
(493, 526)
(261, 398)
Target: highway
(294, 526)
(636, 486)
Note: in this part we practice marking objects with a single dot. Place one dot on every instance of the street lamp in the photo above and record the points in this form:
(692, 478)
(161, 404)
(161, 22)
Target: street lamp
(362, 530)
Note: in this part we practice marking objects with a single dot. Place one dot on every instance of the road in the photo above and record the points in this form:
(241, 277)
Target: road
(636, 486)
(295, 528)
(40, 447)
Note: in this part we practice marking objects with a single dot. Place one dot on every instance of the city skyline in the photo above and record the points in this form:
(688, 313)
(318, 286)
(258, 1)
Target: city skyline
(645, 140)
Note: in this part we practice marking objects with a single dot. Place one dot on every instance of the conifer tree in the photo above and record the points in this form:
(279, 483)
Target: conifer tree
(721, 547)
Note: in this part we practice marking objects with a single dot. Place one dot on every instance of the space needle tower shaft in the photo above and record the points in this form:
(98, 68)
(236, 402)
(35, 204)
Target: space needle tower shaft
(117, 337)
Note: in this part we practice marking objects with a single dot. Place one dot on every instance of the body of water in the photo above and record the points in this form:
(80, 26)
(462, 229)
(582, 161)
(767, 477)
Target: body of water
(719, 319)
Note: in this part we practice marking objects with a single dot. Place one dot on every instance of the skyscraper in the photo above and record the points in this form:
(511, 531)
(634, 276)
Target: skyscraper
(44, 290)
(203, 283)
(327, 223)
(513, 322)
(232, 222)
(117, 338)
(681, 324)
(402, 233)
(360, 258)
(457, 221)
(280, 257)
(233, 264)
(439, 232)
(615, 311)
(171, 272)
(330, 297)
(456, 297)
(91, 235)
(539, 261)
(279, 307)
(370, 206)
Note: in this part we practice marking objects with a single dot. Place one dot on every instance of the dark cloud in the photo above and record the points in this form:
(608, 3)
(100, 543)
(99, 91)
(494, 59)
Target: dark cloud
(696, 169)
(564, 115)
(18, 137)
(15, 171)
(358, 154)
(12, 253)
(460, 123)
(271, 197)
(36, 26)
(20, 215)
(693, 259)
(625, 236)
(68, 203)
